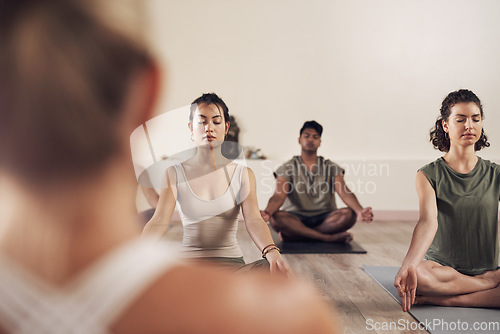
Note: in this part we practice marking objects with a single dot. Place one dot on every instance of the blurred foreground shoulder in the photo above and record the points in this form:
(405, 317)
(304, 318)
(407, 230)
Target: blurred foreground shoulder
(189, 299)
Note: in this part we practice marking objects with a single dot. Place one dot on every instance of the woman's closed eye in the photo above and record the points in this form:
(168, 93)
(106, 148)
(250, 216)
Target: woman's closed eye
(475, 120)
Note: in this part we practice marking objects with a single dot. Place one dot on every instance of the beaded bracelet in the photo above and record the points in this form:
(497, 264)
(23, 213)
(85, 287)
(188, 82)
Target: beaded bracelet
(264, 249)
(268, 249)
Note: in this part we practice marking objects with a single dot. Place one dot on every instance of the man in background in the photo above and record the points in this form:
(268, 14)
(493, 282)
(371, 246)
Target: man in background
(303, 206)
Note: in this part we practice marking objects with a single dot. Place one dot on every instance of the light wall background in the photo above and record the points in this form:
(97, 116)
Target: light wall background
(372, 72)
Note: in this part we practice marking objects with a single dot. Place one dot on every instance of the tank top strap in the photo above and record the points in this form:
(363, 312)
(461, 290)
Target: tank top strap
(113, 286)
(236, 182)
(93, 301)
(22, 298)
(182, 182)
(181, 176)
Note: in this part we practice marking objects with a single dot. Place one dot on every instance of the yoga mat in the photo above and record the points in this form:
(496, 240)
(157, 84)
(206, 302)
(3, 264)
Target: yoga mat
(440, 320)
(315, 247)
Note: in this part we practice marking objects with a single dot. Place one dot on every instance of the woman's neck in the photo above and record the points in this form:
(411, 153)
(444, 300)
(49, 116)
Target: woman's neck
(211, 158)
(60, 231)
(462, 159)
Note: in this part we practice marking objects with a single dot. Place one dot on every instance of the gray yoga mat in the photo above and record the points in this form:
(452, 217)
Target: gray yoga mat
(440, 319)
(315, 247)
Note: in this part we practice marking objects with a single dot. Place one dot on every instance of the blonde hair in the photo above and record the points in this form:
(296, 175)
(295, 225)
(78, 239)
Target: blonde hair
(65, 68)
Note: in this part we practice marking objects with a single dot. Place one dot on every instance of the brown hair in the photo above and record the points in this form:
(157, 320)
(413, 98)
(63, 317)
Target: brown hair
(438, 136)
(209, 98)
(64, 74)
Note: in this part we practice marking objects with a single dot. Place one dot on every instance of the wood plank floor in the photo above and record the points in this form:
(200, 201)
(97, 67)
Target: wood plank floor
(340, 277)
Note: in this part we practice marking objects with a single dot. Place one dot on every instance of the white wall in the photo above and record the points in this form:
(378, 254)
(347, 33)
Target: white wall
(372, 72)
(386, 185)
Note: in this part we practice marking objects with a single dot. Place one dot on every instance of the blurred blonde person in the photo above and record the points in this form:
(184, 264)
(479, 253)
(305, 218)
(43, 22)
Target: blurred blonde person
(74, 83)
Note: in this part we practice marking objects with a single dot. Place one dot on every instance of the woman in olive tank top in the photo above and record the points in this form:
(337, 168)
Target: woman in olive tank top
(453, 256)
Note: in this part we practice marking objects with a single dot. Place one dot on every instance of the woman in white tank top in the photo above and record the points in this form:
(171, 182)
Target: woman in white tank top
(210, 189)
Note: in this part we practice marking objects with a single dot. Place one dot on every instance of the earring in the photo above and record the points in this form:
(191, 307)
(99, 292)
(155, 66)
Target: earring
(192, 139)
(446, 136)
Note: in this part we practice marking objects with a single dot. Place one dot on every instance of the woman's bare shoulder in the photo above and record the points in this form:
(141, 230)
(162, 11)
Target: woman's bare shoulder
(222, 303)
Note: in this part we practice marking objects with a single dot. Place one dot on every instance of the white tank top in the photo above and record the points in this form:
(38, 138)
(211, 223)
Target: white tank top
(210, 226)
(91, 302)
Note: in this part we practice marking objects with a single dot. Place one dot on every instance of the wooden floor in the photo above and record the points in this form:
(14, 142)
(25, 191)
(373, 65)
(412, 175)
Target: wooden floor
(359, 300)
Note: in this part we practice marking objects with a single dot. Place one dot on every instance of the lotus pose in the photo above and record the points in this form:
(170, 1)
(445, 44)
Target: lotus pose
(457, 232)
(210, 190)
(303, 206)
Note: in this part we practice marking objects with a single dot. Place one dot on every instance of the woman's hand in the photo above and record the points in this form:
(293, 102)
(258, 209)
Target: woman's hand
(406, 283)
(277, 264)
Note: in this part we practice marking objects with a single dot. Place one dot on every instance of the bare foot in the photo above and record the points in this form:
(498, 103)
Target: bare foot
(345, 237)
(491, 275)
(457, 300)
(285, 237)
(421, 300)
(431, 300)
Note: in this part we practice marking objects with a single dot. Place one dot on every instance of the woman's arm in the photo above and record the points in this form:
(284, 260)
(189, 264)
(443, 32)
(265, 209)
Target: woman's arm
(256, 226)
(276, 201)
(151, 196)
(158, 224)
(406, 278)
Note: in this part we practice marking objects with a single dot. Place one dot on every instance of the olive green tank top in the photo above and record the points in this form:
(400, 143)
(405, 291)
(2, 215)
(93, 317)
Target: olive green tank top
(467, 235)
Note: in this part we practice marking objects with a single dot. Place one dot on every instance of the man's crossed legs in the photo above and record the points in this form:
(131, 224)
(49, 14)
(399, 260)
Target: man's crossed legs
(327, 227)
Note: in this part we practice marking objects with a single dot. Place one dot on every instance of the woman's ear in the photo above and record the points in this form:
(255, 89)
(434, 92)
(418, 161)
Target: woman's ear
(190, 126)
(227, 127)
(445, 125)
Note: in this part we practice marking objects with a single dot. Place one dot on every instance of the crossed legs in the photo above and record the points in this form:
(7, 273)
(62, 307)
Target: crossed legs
(442, 285)
(332, 229)
(485, 298)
